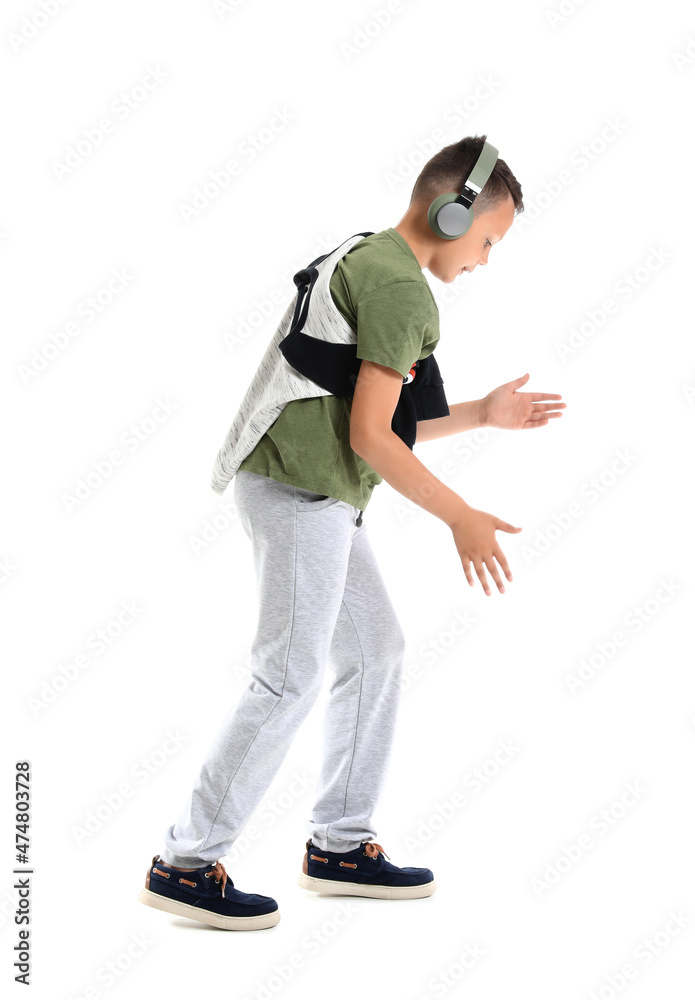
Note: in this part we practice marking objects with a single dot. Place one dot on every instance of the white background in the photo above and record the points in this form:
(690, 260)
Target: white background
(591, 106)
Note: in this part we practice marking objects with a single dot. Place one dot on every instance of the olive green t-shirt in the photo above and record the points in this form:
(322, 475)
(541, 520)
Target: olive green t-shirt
(380, 289)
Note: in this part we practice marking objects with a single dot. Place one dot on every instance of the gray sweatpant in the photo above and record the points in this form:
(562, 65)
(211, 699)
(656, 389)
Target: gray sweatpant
(321, 598)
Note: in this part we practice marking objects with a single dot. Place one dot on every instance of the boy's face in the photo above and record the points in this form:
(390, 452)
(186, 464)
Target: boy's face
(450, 258)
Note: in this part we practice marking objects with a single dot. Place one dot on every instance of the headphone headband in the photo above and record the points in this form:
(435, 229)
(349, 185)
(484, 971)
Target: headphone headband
(480, 173)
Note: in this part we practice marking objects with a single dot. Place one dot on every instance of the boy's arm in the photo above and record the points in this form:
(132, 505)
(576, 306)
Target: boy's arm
(375, 398)
(504, 407)
(376, 395)
(462, 417)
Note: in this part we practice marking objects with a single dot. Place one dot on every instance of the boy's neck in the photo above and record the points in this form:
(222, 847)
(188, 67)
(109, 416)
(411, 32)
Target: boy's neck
(416, 236)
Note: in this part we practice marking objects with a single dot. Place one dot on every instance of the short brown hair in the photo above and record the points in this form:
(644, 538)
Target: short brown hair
(448, 170)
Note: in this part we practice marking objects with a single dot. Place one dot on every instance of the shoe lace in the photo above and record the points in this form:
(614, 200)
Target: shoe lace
(219, 872)
(372, 850)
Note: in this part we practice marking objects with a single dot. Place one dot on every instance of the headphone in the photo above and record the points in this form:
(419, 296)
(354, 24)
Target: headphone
(451, 215)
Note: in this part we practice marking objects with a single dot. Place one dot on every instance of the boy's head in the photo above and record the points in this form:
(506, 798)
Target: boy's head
(493, 210)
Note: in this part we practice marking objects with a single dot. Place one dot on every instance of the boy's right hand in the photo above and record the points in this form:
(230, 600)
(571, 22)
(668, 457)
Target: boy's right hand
(474, 535)
(377, 391)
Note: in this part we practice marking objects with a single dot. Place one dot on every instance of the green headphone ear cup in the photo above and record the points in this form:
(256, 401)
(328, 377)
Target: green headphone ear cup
(442, 199)
(439, 202)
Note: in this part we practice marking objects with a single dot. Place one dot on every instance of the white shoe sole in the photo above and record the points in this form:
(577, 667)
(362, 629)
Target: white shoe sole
(206, 917)
(360, 889)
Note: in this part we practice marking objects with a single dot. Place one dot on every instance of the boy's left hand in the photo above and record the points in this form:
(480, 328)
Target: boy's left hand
(506, 407)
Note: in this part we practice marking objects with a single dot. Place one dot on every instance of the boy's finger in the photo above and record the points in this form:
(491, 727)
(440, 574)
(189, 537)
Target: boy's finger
(495, 574)
(467, 570)
(502, 560)
(504, 526)
(483, 579)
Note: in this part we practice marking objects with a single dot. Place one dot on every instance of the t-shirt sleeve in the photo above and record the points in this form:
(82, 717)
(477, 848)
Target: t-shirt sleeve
(395, 325)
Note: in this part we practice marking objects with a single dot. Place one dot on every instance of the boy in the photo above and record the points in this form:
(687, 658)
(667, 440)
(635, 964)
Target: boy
(300, 493)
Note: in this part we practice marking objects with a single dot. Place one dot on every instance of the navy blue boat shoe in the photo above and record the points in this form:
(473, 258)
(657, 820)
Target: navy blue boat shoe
(208, 896)
(362, 872)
